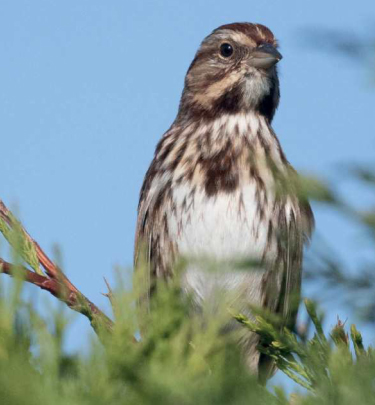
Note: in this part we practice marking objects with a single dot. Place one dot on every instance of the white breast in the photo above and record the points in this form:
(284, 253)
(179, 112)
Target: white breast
(223, 227)
(223, 230)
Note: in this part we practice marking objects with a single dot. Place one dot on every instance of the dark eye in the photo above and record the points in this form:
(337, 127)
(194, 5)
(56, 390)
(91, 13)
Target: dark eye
(226, 50)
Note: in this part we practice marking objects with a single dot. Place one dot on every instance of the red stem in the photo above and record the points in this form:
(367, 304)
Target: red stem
(55, 282)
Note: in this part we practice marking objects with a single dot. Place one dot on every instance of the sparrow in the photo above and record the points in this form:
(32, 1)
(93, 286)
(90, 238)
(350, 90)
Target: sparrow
(220, 188)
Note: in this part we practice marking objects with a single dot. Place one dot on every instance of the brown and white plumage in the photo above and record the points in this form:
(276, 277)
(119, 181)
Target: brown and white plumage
(216, 188)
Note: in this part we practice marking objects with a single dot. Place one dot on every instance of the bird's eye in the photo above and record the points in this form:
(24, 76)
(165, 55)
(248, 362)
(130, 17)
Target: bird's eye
(226, 50)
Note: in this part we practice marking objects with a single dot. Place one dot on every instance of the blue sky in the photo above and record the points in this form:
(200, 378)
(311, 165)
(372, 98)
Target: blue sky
(88, 87)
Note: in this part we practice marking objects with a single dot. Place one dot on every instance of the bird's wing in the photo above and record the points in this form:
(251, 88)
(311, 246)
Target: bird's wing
(142, 252)
(298, 232)
(154, 251)
(299, 229)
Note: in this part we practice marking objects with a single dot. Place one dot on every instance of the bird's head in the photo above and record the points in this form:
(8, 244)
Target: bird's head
(233, 71)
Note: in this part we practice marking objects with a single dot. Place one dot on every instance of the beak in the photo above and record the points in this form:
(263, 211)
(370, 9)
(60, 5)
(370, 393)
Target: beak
(265, 56)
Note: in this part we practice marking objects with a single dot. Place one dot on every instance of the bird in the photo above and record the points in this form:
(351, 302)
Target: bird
(220, 188)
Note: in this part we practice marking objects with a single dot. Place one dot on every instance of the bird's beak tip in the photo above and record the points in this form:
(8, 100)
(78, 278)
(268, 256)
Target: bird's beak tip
(265, 56)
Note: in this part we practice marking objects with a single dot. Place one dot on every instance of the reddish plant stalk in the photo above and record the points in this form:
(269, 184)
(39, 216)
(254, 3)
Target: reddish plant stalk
(56, 283)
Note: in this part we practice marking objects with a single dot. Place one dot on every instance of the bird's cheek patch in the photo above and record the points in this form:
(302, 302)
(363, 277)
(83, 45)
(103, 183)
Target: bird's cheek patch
(216, 90)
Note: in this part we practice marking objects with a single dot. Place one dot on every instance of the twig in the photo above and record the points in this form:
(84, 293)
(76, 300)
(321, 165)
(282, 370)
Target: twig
(55, 282)
(111, 297)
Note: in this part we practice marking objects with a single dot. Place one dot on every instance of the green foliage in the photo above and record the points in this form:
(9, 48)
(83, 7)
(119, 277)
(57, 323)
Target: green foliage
(178, 361)
(319, 363)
